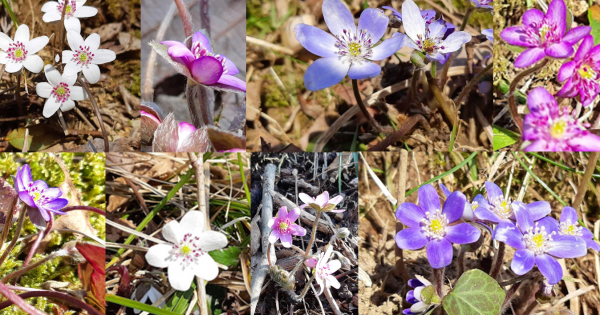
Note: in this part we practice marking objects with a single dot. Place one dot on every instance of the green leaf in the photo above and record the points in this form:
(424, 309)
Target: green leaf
(137, 305)
(475, 293)
(180, 300)
(504, 137)
(594, 18)
(228, 257)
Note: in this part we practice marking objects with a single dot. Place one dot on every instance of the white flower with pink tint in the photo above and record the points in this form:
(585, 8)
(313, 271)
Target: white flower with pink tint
(283, 226)
(59, 91)
(321, 202)
(324, 270)
(75, 9)
(85, 56)
(21, 52)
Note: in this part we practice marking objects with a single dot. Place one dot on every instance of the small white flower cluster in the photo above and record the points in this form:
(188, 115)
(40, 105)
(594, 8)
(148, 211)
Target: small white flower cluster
(84, 55)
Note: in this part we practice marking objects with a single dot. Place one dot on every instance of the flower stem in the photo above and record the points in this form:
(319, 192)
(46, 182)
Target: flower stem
(364, 110)
(512, 102)
(61, 36)
(471, 84)
(186, 18)
(88, 208)
(413, 85)
(38, 240)
(8, 221)
(48, 294)
(24, 269)
(438, 278)
(313, 235)
(17, 300)
(403, 130)
(334, 306)
(497, 264)
(460, 262)
(583, 185)
(15, 238)
(466, 18)
(97, 110)
(449, 112)
(510, 294)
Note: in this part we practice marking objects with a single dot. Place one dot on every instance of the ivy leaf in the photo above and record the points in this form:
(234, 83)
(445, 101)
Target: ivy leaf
(228, 257)
(504, 138)
(475, 293)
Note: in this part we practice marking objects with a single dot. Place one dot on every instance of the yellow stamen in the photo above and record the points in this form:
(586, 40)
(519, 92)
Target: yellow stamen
(558, 129)
(354, 49)
(283, 226)
(36, 196)
(587, 72)
(436, 225)
(186, 249)
(538, 240)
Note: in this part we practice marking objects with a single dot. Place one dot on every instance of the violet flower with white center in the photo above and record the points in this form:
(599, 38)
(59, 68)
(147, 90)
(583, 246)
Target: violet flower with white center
(550, 128)
(483, 4)
(85, 56)
(202, 65)
(544, 35)
(324, 271)
(582, 74)
(497, 207)
(569, 225)
(171, 136)
(430, 38)
(40, 198)
(430, 225)
(283, 226)
(321, 202)
(59, 91)
(75, 10)
(348, 50)
(538, 243)
(21, 52)
(186, 253)
(489, 34)
(429, 17)
(414, 297)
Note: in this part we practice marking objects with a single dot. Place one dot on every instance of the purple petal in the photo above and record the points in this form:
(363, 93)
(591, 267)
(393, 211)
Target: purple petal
(533, 18)
(412, 20)
(337, 17)
(230, 82)
(549, 224)
(585, 47)
(55, 205)
(388, 47)
(179, 52)
(486, 215)
(559, 50)
(411, 239)
(306, 198)
(410, 297)
(26, 198)
(481, 202)
(538, 101)
(40, 185)
(439, 253)
(567, 246)
(454, 42)
(428, 199)
(568, 214)
(394, 12)
(374, 22)
(463, 233)
(286, 239)
(522, 262)
(201, 39)
(529, 57)
(325, 72)
(523, 217)
(590, 243)
(493, 191)
(316, 40)
(25, 177)
(557, 15)
(297, 230)
(570, 88)
(576, 34)
(274, 236)
(566, 70)
(454, 206)
(445, 190)
(231, 68)
(322, 199)
(51, 193)
(586, 234)
(294, 214)
(282, 213)
(518, 36)
(38, 217)
(508, 233)
(409, 214)
(413, 283)
(364, 70)
(585, 141)
(548, 266)
(206, 70)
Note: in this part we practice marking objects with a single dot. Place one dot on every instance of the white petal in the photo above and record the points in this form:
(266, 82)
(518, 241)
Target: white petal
(172, 232)
(418, 307)
(454, 41)
(334, 265)
(206, 268)
(50, 6)
(326, 256)
(78, 93)
(74, 39)
(72, 69)
(3, 57)
(56, 58)
(22, 34)
(157, 255)
(212, 240)
(180, 278)
(413, 21)
(34, 63)
(80, 3)
(36, 44)
(69, 79)
(67, 55)
(43, 89)
(103, 56)
(53, 76)
(84, 12)
(12, 67)
(50, 107)
(5, 41)
(92, 73)
(306, 198)
(51, 16)
(73, 24)
(67, 105)
(93, 41)
(193, 222)
(332, 281)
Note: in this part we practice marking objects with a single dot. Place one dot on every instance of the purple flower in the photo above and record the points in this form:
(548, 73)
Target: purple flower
(582, 73)
(350, 50)
(544, 35)
(414, 297)
(428, 16)
(468, 211)
(550, 128)
(203, 66)
(482, 4)
(40, 198)
(430, 38)
(429, 226)
(321, 202)
(498, 208)
(489, 34)
(538, 244)
(283, 226)
(569, 226)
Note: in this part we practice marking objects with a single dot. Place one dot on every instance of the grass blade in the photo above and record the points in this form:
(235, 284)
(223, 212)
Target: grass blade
(137, 305)
(454, 169)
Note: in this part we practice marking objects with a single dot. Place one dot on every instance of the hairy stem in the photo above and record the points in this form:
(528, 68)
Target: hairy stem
(334, 306)
(472, 84)
(364, 109)
(15, 238)
(401, 193)
(313, 235)
(510, 294)
(460, 262)
(438, 278)
(497, 264)
(97, 111)
(88, 208)
(413, 85)
(186, 18)
(38, 240)
(512, 102)
(51, 295)
(17, 300)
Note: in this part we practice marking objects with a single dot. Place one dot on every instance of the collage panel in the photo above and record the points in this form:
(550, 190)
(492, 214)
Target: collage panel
(353, 75)
(194, 87)
(304, 233)
(69, 76)
(547, 74)
(502, 233)
(52, 227)
(178, 233)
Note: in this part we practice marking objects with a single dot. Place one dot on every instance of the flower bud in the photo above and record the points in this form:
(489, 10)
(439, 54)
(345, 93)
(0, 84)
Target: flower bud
(343, 233)
(418, 59)
(282, 277)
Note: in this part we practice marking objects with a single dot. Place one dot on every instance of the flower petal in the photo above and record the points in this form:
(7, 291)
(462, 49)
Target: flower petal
(567, 246)
(43, 89)
(22, 34)
(172, 232)
(202, 40)
(5, 41)
(50, 6)
(36, 44)
(12, 67)
(316, 40)
(67, 105)
(180, 277)
(454, 206)
(429, 201)
(286, 240)
(305, 198)
(206, 268)
(85, 12)
(463, 233)
(325, 72)
(322, 199)
(192, 222)
(411, 239)
(232, 83)
(533, 18)
(454, 42)
(102, 56)
(39, 217)
(374, 22)
(548, 266)
(334, 266)
(585, 47)
(560, 50)
(493, 192)
(522, 262)
(91, 73)
(363, 70)
(439, 253)
(297, 230)
(211, 240)
(335, 200)
(26, 198)
(274, 236)
(507, 232)
(568, 214)
(73, 24)
(592, 244)
(52, 16)
(529, 57)
(77, 93)
(332, 281)
(337, 17)
(388, 47)
(486, 215)
(412, 20)
(206, 70)
(541, 102)
(566, 70)
(410, 214)
(75, 40)
(557, 16)
(549, 224)
(34, 63)
(157, 255)
(179, 52)
(522, 215)
(294, 214)
(50, 107)
(576, 34)
(93, 42)
(282, 213)
(518, 36)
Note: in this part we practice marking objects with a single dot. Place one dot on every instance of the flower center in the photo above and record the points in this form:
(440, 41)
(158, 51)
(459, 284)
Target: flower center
(188, 250)
(70, 9)
(61, 92)
(537, 240)
(558, 129)
(502, 208)
(429, 46)
(83, 56)
(474, 205)
(434, 224)
(199, 51)
(356, 47)
(36, 196)
(570, 228)
(283, 226)
(586, 72)
(16, 52)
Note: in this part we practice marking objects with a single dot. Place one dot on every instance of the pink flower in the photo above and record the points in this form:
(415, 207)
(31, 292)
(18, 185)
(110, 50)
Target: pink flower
(183, 137)
(321, 202)
(324, 270)
(582, 73)
(283, 226)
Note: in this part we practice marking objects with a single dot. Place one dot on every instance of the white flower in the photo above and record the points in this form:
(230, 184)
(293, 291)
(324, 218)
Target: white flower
(186, 254)
(59, 91)
(85, 56)
(324, 271)
(75, 10)
(21, 51)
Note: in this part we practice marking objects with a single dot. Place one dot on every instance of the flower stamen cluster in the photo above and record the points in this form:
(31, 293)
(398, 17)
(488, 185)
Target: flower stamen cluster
(537, 239)
(82, 56)
(570, 228)
(502, 207)
(354, 46)
(71, 7)
(188, 250)
(61, 92)
(434, 224)
(17, 52)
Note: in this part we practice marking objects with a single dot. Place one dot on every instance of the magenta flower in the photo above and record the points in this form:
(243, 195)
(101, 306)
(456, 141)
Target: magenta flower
(171, 136)
(429, 226)
(321, 202)
(582, 73)
(203, 66)
(569, 226)
(550, 128)
(40, 198)
(544, 35)
(324, 270)
(538, 244)
(283, 226)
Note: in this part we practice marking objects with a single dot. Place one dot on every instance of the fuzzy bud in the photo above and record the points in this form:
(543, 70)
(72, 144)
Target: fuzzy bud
(343, 233)
(282, 277)
(418, 59)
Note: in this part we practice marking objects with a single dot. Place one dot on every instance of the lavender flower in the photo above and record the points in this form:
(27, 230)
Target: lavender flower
(489, 34)
(582, 73)
(538, 244)
(350, 50)
(483, 4)
(40, 198)
(415, 297)
(569, 226)
(550, 128)
(429, 226)
(544, 35)
(283, 226)
(428, 16)
(321, 202)
(430, 38)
